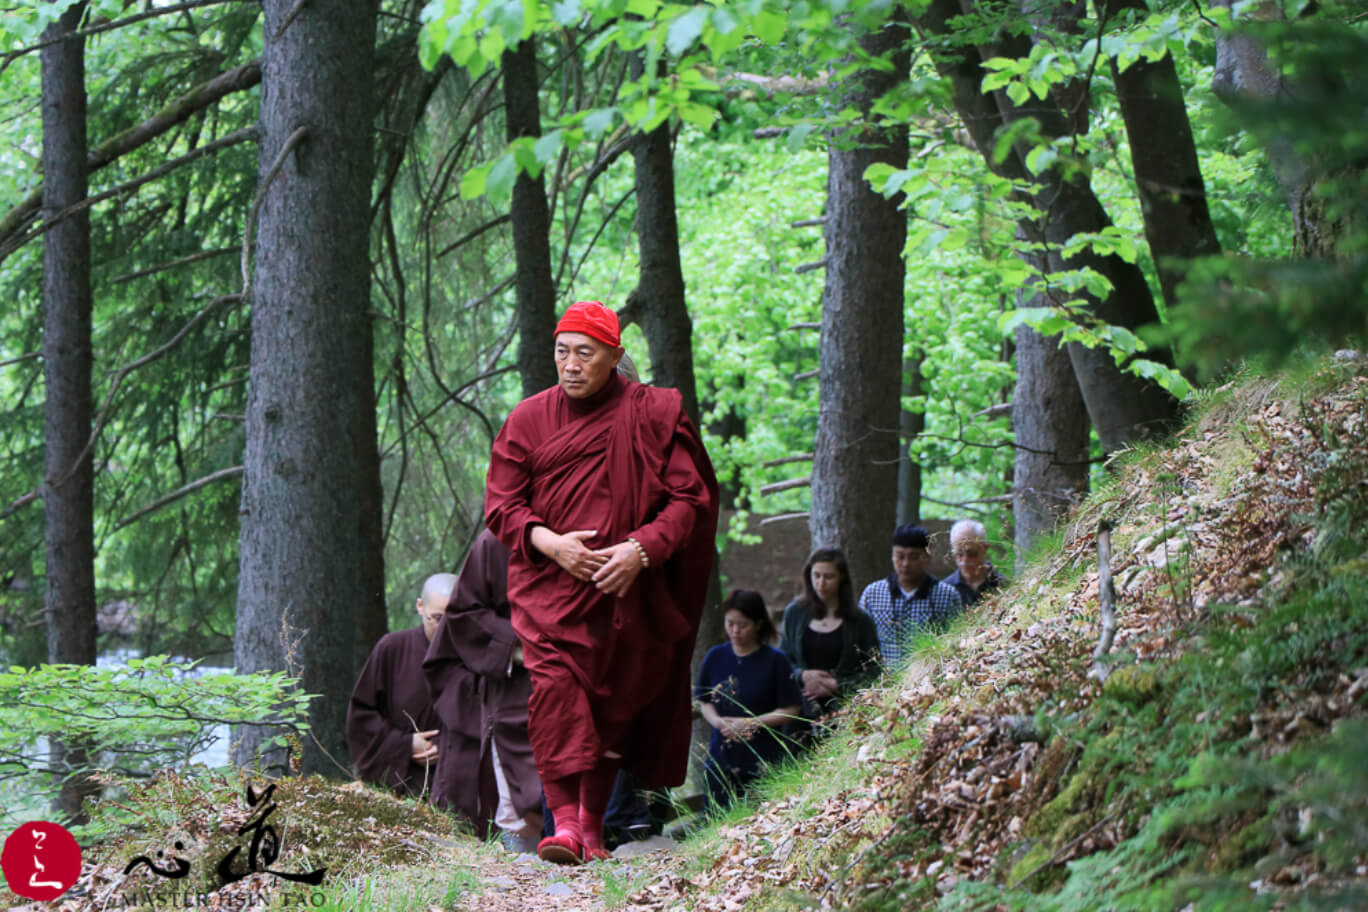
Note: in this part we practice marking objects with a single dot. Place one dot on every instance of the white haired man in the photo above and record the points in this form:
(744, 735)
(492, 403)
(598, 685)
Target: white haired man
(975, 575)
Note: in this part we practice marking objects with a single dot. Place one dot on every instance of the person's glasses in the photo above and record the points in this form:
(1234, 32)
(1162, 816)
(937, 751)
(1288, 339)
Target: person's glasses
(970, 552)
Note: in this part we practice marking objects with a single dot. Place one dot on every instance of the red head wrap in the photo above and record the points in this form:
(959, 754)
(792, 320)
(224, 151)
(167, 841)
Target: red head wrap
(592, 319)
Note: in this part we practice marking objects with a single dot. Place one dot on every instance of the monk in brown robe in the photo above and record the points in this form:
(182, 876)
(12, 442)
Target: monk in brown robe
(603, 492)
(474, 667)
(391, 724)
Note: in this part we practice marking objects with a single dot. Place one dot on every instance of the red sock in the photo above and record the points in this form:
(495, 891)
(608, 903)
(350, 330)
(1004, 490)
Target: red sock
(595, 788)
(563, 798)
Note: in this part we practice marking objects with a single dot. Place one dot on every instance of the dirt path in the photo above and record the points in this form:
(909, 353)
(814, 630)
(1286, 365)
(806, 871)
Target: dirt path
(522, 882)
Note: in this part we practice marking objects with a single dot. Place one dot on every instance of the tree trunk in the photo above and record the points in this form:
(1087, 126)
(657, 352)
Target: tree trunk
(1243, 72)
(1122, 406)
(909, 470)
(1168, 176)
(311, 558)
(855, 454)
(68, 490)
(1051, 429)
(660, 289)
(531, 228)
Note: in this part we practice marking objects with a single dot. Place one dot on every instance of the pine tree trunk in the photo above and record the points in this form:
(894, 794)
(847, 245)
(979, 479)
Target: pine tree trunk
(1168, 176)
(69, 474)
(660, 289)
(909, 470)
(311, 560)
(855, 454)
(1051, 429)
(531, 229)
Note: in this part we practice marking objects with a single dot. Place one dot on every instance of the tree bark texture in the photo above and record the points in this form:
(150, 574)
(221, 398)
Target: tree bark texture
(536, 288)
(1122, 407)
(68, 490)
(855, 454)
(664, 315)
(1168, 176)
(311, 558)
(1051, 427)
(911, 424)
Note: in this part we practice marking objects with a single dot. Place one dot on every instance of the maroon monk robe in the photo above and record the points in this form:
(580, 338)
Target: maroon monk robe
(608, 673)
(480, 694)
(388, 704)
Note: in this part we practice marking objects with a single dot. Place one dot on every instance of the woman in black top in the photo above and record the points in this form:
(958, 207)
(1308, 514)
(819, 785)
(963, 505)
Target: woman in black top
(831, 643)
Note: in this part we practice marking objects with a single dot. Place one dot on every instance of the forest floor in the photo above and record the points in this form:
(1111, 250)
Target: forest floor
(1214, 758)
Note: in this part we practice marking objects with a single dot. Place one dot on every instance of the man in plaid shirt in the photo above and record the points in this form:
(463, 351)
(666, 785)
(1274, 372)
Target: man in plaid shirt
(908, 598)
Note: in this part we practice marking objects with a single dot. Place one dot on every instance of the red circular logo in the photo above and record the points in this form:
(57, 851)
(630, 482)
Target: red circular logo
(41, 860)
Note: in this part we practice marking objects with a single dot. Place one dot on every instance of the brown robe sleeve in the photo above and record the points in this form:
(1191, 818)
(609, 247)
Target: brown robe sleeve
(479, 633)
(388, 704)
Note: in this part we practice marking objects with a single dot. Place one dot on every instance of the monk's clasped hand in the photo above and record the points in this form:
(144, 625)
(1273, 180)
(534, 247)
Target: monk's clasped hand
(622, 564)
(576, 558)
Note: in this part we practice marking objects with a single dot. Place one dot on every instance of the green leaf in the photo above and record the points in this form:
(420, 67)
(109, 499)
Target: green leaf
(700, 115)
(548, 146)
(1018, 93)
(597, 121)
(769, 27)
(502, 176)
(473, 181)
(686, 29)
(565, 13)
(796, 135)
(1040, 159)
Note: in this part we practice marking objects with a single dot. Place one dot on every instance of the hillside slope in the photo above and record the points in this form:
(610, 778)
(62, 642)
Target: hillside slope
(1221, 764)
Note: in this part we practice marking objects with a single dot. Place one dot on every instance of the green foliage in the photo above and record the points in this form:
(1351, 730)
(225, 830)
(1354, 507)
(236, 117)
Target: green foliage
(150, 713)
(1272, 305)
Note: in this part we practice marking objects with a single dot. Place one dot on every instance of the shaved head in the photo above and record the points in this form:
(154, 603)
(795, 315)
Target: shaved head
(437, 589)
(432, 603)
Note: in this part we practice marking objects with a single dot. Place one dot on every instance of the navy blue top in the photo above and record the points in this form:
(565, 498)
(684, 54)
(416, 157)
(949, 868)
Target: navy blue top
(749, 685)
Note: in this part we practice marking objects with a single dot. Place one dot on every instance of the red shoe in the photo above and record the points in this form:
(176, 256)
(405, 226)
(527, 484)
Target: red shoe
(564, 850)
(596, 854)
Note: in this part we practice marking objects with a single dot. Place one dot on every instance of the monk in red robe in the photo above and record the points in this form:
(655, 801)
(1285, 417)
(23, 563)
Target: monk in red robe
(603, 492)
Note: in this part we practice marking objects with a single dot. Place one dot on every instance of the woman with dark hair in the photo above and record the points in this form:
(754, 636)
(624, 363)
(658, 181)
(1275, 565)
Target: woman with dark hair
(746, 690)
(832, 645)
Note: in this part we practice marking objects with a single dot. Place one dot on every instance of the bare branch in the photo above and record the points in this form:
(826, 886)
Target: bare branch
(291, 141)
(472, 234)
(782, 517)
(789, 485)
(192, 487)
(809, 222)
(99, 27)
(788, 85)
(175, 112)
(19, 359)
(785, 460)
(1106, 601)
(807, 375)
(127, 369)
(23, 501)
(237, 136)
(172, 264)
(817, 326)
(290, 17)
(958, 506)
(809, 267)
(994, 411)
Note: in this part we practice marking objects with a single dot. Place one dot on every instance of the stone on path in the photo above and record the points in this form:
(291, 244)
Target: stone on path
(644, 847)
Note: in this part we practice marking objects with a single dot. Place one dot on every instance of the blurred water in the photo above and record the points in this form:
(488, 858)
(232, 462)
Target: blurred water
(215, 752)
